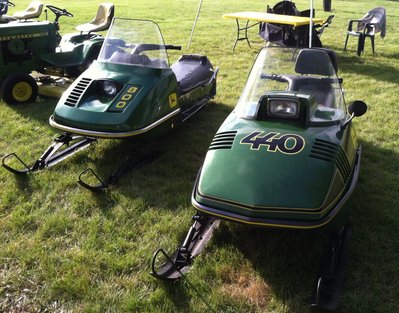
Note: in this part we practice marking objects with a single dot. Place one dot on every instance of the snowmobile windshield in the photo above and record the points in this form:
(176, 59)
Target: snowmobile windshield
(309, 72)
(134, 42)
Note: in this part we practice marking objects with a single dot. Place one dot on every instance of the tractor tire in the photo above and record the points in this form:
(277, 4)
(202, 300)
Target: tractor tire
(19, 89)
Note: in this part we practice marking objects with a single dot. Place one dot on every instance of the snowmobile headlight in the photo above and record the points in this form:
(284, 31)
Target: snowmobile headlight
(109, 88)
(283, 108)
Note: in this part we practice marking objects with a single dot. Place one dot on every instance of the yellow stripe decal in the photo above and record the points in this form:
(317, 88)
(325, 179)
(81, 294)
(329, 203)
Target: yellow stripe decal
(24, 36)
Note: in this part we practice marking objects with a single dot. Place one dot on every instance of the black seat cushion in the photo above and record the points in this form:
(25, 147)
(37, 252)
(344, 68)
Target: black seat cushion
(320, 88)
(192, 71)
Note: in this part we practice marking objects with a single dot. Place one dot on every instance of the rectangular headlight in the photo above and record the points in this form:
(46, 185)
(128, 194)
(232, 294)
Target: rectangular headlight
(282, 108)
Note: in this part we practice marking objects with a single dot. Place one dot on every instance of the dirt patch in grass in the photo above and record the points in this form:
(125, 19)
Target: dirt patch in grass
(243, 284)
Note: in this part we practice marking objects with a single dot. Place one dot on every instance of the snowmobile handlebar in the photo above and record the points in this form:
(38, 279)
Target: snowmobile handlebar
(172, 47)
(276, 77)
(147, 47)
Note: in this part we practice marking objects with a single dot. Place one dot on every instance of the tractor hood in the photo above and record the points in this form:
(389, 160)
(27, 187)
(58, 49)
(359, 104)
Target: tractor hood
(257, 168)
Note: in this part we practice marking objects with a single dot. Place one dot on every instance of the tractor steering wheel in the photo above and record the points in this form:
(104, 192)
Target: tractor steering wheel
(59, 12)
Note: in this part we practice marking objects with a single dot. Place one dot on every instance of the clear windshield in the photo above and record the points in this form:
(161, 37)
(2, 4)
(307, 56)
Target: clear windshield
(134, 42)
(304, 71)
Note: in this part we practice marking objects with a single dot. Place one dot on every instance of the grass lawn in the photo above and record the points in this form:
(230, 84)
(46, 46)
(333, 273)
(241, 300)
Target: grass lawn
(65, 249)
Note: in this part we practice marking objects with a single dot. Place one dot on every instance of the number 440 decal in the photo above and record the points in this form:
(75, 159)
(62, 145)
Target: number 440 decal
(287, 143)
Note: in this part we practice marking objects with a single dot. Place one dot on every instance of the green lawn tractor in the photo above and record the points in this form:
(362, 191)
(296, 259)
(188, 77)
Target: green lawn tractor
(37, 46)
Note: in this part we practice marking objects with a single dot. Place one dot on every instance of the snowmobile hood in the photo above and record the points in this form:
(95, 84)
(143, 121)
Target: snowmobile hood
(271, 166)
(115, 100)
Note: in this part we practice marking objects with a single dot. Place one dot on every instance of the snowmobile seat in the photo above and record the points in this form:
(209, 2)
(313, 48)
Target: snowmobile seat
(102, 20)
(320, 88)
(192, 71)
(312, 62)
(33, 10)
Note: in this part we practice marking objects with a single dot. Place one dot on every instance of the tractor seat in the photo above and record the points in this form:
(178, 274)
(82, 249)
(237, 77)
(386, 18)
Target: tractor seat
(102, 21)
(192, 71)
(32, 11)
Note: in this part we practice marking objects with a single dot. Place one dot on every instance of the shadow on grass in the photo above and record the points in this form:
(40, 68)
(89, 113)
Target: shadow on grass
(39, 110)
(374, 264)
(23, 182)
(181, 152)
(393, 55)
(177, 293)
(191, 138)
(377, 71)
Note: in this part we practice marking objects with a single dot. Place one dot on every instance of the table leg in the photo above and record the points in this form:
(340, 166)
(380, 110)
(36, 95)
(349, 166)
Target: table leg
(245, 29)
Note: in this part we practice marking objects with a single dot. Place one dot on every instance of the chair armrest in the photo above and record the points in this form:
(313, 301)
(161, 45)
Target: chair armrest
(369, 28)
(350, 25)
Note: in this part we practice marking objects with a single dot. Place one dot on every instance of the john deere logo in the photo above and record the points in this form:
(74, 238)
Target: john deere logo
(172, 100)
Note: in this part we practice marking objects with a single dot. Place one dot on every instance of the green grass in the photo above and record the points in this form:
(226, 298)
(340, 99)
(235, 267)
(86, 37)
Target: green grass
(65, 249)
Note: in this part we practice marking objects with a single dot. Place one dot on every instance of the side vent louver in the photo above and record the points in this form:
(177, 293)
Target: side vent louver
(343, 164)
(324, 150)
(74, 96)
(223, 140)
(331, 152)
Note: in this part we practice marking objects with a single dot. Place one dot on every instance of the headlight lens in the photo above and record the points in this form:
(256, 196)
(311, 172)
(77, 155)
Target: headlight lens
(108, 88)
(283, 108)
